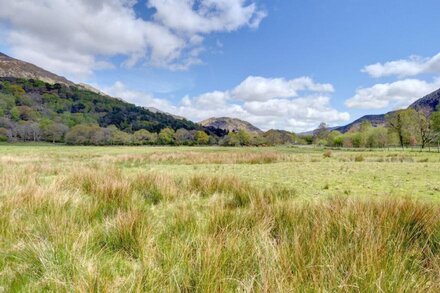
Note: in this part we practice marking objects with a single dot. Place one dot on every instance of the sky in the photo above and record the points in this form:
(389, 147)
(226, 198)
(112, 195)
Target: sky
(285, 64)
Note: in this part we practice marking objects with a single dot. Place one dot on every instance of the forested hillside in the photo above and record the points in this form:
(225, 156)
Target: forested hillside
(32, 110)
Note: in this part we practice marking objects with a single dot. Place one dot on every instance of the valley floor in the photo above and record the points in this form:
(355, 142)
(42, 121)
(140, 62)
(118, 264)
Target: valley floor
(218, 219)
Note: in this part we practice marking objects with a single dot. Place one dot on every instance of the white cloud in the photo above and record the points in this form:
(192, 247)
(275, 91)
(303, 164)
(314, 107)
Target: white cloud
(76, 37)
(398, 94)
(256, 88)
(119, 90)
(276, 108)
(209, 15)
(414, 65)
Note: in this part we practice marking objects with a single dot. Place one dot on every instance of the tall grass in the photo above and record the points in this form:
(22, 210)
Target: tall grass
(191, 158)
(96, 228)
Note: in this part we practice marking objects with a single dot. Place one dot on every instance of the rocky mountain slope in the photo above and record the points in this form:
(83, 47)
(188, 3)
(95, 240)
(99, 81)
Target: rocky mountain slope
(230, 124)
(10, 67)
(428, 103)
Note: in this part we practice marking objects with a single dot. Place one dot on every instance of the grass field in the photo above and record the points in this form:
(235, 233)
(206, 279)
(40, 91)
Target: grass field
(209, 219)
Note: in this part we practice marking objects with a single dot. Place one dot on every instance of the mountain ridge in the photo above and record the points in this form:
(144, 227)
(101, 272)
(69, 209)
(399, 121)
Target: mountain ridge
(428, 103)
(230, 124)
(11, 67)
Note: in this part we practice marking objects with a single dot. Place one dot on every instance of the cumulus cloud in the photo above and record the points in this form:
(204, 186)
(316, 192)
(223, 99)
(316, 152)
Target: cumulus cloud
(78, 37)
(120, 90)
(273, 107)
(209, 16)
(414, 65)
(398, 94)
(256, 88)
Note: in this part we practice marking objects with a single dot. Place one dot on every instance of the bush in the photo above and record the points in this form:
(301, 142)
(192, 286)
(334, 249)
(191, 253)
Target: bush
(359, 158)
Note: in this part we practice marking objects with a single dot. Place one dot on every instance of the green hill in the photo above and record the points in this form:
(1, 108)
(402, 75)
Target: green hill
(32, 110)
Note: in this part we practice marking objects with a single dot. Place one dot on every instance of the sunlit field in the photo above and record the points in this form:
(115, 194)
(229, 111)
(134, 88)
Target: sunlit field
(213, 219)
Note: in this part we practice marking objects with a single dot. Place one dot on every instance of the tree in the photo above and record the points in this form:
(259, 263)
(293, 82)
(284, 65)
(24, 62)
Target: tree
(201, 137)
(365, 126)
(166, 136)
(402, 123)
(321, 133)
(364, 131)
(259, 140)
(356, 139)
(435, 120)
(82, 134)
(279, 137)
(424, 127)
(121, 138)
(56, 132)
(308, 138)
(101, 136)
(377, 137)
(183, 136)
(15, 113)
(334, 139)
(231, 139)
(244, 137)
(33, 131)
(143, 137)
(7, 102)
(4, 134)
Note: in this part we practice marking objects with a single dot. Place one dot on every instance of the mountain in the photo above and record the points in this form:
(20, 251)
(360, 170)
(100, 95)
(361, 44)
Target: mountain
(375, 120)
(429, 103)
(44, 95)
(230, 124)
(29, 100)
(32, 98)
(155, 110)
(10, 67)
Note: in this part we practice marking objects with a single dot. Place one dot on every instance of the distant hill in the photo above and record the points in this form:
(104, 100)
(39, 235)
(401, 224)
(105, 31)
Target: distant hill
(428, 103)
(10, 67)
(155, 110)
(375, 120)
(230, 124)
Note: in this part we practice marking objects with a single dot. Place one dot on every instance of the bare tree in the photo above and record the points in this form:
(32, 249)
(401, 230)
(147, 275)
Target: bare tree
(424, 127)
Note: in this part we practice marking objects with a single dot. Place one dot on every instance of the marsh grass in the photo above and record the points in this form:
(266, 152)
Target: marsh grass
(194, 158)
(94, 227)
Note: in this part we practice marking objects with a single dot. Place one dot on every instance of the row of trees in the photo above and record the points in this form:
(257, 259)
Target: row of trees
(93, 134)
(402, 128)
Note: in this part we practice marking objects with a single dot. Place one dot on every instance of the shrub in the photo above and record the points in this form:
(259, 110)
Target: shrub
(359, 158)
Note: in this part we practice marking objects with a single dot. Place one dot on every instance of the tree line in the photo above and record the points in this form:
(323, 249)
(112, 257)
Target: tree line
(403, 128)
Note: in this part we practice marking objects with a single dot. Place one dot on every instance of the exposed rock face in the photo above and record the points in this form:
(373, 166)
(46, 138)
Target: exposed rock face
(230, 124)
(10, 67)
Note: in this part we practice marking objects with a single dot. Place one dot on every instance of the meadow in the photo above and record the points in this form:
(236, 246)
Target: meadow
(212, 219)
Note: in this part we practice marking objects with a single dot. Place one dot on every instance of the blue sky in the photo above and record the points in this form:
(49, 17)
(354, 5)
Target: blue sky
(278, 64)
